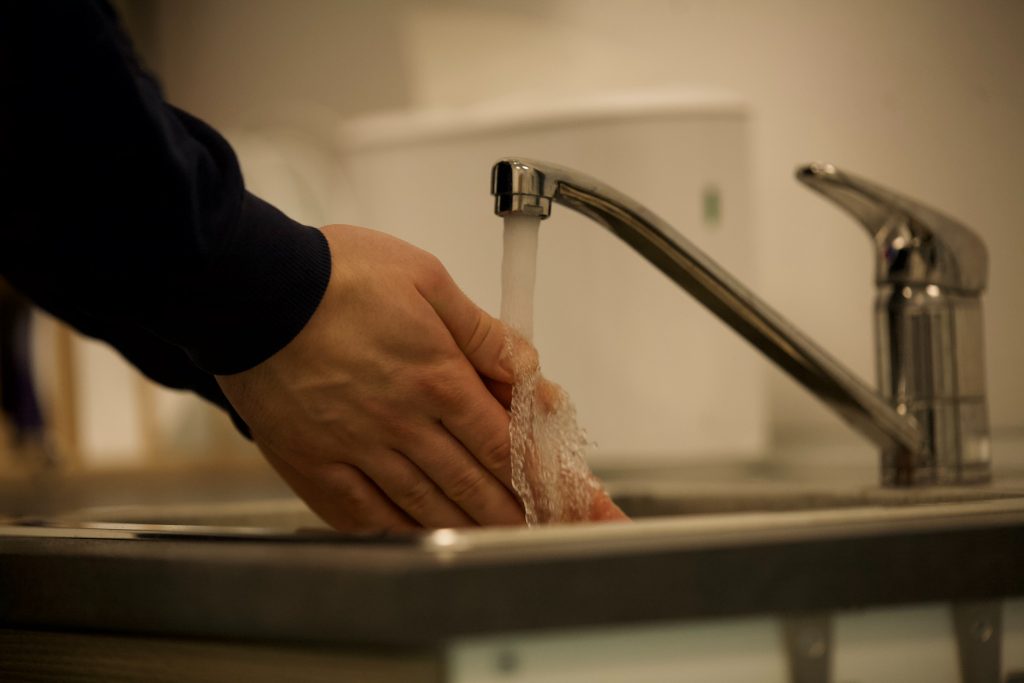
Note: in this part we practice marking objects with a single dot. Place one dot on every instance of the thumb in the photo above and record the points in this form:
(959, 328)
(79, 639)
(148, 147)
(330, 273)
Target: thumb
(480, 336)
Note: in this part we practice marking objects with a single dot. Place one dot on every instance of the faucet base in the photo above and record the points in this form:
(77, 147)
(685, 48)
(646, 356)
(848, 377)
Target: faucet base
(901, 469)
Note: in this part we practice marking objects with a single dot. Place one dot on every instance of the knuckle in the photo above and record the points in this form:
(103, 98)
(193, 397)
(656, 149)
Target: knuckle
(466, 487)
(354, 503)
(432, 264)
(395, 428)
(353, 491)
(430, 385)
(385, 419)
(432, 275)
(440, 387)
(478, 335)
(415, 495)
(496, 454)
(482, 337)
(346, 481)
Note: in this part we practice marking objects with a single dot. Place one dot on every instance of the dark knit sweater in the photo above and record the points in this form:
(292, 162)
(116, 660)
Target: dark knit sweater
(128, 218)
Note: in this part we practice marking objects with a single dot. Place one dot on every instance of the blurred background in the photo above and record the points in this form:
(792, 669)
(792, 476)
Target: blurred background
(924, 96)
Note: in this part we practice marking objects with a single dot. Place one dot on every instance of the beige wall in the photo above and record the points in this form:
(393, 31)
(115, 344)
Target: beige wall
(926, 96)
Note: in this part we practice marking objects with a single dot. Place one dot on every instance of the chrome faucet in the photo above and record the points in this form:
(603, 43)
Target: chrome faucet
(930, 420)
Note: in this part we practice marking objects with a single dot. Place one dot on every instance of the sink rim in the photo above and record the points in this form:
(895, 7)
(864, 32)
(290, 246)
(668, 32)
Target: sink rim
(642, 535)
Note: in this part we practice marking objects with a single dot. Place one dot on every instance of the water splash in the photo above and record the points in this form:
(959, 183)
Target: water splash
(549, 469)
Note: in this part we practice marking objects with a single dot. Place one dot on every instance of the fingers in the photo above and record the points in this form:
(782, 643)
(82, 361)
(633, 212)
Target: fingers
(344, 497)
(479, 336)
(481, 425)
(411, 490)
(463, 479)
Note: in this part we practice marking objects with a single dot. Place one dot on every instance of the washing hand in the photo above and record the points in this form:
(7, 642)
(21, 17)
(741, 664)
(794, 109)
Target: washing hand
(377, 413)
(550, 472)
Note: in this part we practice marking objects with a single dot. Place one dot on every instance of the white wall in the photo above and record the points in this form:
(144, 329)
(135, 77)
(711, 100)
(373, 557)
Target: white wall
(926, 96)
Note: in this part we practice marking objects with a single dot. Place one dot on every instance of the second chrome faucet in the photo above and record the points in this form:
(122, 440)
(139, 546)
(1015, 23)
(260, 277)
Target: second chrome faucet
(930, 419)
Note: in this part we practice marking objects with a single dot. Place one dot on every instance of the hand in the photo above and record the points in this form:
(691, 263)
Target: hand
(377, 413)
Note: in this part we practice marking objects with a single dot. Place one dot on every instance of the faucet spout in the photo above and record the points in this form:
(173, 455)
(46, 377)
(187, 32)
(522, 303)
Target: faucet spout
(525, 186)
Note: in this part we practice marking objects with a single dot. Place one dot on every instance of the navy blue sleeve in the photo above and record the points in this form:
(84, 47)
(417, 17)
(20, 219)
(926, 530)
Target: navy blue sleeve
(129, 218)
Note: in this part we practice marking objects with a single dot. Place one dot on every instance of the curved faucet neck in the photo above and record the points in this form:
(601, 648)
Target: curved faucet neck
(524, 186)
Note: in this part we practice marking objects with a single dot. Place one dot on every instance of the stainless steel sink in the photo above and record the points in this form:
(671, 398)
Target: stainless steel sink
(270, 570)
(685, 507)
(715, 498)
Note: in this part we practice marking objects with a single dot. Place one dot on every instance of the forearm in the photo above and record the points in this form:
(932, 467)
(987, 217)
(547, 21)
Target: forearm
(122, 209)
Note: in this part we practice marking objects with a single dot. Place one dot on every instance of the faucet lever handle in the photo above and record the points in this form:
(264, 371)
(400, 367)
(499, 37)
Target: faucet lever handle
(916, 245)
